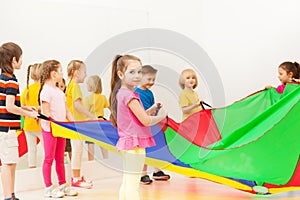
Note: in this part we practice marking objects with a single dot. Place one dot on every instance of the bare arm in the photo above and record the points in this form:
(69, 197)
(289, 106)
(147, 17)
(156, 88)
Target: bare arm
(69, 114)
(188, 109)
(81, 109)
(12, 108)
(142, 115)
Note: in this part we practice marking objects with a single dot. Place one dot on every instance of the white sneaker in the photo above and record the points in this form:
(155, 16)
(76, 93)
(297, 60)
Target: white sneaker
(66, 189)
(82, 183)
(54, 192)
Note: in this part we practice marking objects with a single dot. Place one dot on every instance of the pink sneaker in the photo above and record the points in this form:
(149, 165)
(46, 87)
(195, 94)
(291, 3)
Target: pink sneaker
(81, 183)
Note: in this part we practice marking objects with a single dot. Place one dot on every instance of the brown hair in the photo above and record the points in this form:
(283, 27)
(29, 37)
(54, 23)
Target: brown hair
(148, 69)
(46, 69)
(183, 76)
(8, 51)
(94, 84)
(291, 67)
(120, 63)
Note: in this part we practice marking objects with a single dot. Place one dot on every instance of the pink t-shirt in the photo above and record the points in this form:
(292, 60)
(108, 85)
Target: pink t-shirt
(280, 88)
(57, 100)
(131, 131)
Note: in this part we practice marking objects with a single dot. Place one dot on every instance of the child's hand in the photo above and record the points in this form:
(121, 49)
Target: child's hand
(268, 86)
(162, 113)
(33, 114)
(158, 107)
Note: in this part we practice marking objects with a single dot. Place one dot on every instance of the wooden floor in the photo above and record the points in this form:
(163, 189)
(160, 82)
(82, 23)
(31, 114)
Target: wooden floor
(108, 181)
(178, 188)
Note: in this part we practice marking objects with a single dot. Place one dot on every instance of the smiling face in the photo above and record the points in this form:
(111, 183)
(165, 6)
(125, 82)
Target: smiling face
(148, 80)
(284, 76)
(132, 75)
(190, 81)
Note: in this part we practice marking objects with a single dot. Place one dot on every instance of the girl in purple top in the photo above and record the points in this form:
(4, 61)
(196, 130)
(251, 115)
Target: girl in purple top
(288, 72)
(132, 121)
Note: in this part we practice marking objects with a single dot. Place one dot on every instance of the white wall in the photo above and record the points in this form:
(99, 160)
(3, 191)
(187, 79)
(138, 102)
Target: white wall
(246, 40)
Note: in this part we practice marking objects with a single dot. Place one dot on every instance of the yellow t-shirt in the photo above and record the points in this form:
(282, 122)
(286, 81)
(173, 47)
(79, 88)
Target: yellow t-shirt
(188, 98)
(95, 103)
(29, 97)
(73, 92)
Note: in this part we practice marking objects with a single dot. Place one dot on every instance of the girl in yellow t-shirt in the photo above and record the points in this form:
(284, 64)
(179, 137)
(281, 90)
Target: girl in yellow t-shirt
(32, 126)
(188, 99)
(76, 74)
(95, 103)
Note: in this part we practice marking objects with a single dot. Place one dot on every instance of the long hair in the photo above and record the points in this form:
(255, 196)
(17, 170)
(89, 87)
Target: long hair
(120, 63)
(46, 69)
(33, 72)
(73, 66)
(8, 51)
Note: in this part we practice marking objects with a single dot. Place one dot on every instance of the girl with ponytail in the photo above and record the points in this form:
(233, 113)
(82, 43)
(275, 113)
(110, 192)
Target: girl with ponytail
(32, 126)
(132, 121)
(53, 105)
(288, 72)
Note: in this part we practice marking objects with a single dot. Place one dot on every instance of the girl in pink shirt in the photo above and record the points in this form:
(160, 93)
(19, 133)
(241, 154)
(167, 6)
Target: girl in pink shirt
(132, 121)
(288, 72)
(52, 101)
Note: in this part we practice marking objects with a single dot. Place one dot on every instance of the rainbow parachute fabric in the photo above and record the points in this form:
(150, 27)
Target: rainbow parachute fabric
(252, 145)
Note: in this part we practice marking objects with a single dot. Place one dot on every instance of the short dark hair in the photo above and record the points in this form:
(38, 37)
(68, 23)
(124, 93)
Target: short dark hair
(8, 51)
(148, 69)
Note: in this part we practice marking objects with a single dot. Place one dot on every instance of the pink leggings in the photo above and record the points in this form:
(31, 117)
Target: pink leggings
(54, 148)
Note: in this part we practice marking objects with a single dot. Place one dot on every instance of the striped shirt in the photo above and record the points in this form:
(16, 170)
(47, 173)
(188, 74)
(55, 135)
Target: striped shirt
(9, 86)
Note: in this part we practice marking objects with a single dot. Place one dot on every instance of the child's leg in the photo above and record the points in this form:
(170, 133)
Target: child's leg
(68, 148)
(49, 149)
(9, 157)
(31, 138)
(8, 179)
(77, 146)
(145, 169)
(59, 160)
(133, 161)
(104, 153)
(91, 151)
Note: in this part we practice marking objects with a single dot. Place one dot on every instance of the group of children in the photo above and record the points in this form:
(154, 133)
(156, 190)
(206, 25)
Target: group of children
(131, 103)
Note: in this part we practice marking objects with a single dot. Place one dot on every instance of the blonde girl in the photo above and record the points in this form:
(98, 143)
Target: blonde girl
(77, 73)
(52, 101)
(132, 121)
(11, 109)
(95, 103)
(32, 126)
(188, 99)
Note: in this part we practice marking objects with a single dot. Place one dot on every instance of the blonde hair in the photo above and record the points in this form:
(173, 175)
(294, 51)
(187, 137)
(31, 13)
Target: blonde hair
(73, 66)
(120, 63)
(33, 72)
(94, 84)
(184, 74)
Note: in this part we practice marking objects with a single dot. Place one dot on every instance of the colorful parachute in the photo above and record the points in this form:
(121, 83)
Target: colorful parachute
(252, 145)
